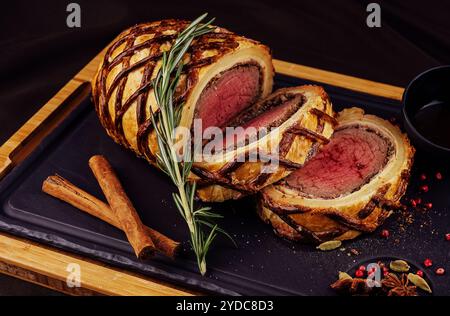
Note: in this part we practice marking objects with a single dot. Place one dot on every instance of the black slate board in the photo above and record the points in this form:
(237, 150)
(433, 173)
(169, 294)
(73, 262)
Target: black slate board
(261, 265)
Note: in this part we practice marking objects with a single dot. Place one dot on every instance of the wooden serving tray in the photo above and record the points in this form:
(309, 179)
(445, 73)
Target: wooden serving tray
(46, 266)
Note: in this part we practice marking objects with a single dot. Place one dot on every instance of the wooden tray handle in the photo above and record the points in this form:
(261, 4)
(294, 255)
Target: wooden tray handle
(338, 80)
(25, 140)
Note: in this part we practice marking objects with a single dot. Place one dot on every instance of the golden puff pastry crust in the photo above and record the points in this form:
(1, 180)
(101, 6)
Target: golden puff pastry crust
(122, 88)
(298, 216)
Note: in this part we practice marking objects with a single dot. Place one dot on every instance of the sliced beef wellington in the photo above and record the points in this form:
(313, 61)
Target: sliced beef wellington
(298, 119)
(223, 74)
(350, 186)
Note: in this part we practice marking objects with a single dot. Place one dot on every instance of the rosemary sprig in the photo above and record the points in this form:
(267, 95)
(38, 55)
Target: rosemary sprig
(165, 121)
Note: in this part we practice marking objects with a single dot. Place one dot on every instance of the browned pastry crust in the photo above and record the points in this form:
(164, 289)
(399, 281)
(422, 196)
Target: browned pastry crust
(122, 88)
(299, 217)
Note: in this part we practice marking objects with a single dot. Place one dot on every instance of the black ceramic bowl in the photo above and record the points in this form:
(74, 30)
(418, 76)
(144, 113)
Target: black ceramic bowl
(429, 130)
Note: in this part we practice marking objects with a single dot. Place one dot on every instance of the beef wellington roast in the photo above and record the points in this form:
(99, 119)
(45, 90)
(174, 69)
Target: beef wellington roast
(299, 120)
(350, 186)
(224, 77)
(223, 74)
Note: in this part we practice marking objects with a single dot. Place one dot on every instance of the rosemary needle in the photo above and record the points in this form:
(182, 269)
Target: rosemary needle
(202, 229)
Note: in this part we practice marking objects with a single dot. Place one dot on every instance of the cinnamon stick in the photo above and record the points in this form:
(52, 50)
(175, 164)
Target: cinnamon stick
(122, 207)
(64, 190)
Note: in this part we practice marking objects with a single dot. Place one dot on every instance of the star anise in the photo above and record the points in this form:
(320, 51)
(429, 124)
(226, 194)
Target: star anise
(396, 286)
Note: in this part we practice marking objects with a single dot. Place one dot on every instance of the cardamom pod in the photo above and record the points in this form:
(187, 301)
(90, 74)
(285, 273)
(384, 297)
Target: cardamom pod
(399, 266)
(420, 282)
(344, 276)
(329, 245)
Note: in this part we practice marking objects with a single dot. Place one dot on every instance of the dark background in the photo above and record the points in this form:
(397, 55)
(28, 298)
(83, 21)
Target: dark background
(39, 53)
